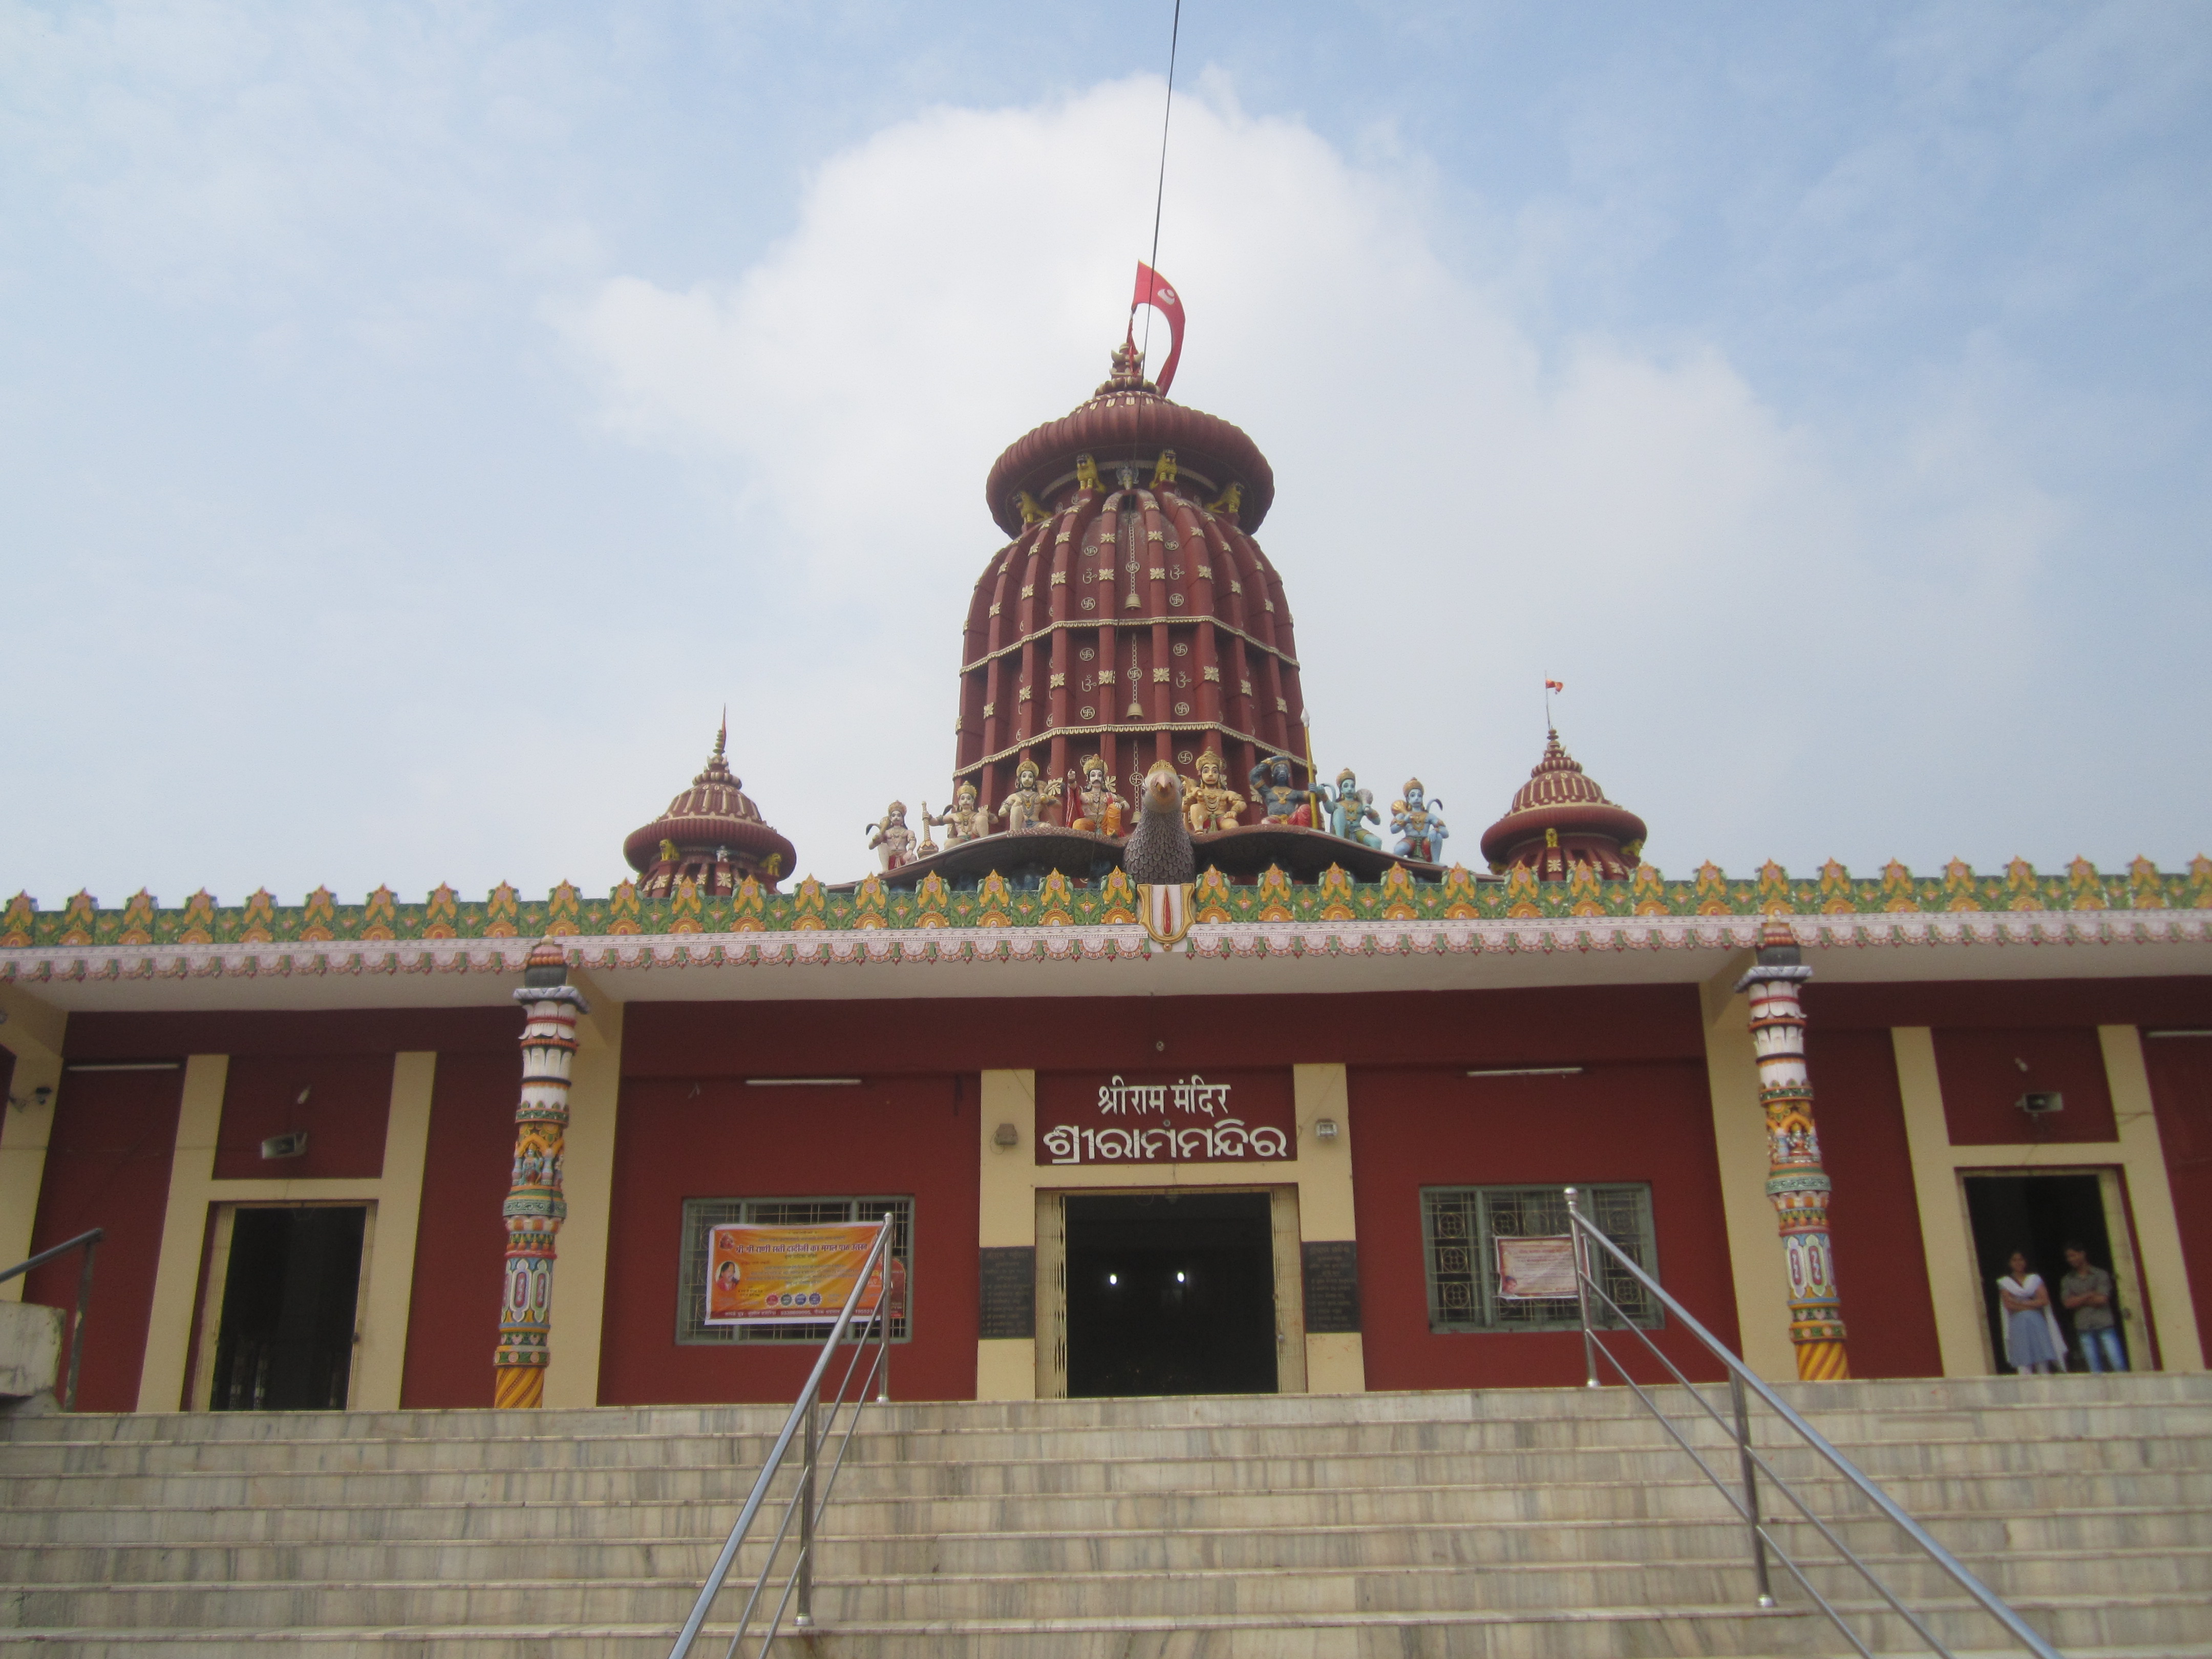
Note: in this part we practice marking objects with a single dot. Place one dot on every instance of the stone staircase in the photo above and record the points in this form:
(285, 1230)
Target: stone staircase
(1510, 1524)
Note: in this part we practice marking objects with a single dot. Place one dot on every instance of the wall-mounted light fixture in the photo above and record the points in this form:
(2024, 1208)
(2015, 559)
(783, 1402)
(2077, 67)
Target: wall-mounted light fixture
(1326, 1128)
(37, 1097)
(293, 1145)
(2042, 1103)
(1526, 1071)
(1006, 1135)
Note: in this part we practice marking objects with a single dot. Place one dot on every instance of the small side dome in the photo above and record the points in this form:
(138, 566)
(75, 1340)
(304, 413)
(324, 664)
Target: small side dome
(713, 834)
(1560, 817)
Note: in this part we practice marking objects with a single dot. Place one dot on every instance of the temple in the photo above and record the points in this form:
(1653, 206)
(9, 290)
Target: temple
(1144, 995)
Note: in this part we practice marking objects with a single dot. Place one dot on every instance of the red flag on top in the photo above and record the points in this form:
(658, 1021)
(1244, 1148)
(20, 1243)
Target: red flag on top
(1154, 290)
(1555, 685)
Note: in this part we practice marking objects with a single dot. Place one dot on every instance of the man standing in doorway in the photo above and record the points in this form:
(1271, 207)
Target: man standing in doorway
(2087, 1292)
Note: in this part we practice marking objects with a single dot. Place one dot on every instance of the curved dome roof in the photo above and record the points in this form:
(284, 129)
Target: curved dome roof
(715, 818)
(1561, 816)
(1126, 419)
(1133, 616)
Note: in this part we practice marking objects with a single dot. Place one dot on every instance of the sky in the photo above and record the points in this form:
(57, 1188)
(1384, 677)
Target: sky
(417, 423)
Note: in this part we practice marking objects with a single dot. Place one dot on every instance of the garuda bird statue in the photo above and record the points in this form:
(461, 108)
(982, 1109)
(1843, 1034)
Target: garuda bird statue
(1159, 852)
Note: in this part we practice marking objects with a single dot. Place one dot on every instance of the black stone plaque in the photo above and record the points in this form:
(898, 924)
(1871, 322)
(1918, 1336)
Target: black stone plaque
(1009, 1291)
(1331, 1276)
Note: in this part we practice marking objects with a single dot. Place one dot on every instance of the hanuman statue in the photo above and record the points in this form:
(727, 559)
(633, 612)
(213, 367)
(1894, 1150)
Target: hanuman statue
(890, 840)
(1420, 821)
(1352, 810)
(1025, 808)
(1209, 804)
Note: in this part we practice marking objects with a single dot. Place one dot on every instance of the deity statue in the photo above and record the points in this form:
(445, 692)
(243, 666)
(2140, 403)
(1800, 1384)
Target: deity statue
(966, 819)
(1211, 804)
(1419, 821)
(1352, 810)
(1025, 809)
(1279, 799)
(890, 840)
(1099, 806)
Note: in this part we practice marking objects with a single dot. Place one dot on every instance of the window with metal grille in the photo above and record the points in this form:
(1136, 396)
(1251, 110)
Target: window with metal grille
(1461, 1227)
(702, 1213)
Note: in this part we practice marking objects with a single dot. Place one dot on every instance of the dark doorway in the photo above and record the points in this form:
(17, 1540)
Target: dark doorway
(289, 1295)
(1171, 1294)
(2038, 1215)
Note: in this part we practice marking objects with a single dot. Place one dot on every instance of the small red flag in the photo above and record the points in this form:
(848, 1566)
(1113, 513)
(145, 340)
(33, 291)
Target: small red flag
(1555, 685)
(1153, 290)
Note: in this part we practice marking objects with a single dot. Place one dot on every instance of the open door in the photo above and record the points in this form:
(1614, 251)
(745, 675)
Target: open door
(282, 1317)
(1051, 1296)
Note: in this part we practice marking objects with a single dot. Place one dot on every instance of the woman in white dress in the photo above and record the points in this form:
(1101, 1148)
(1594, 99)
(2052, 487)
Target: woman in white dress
(2031, 1339)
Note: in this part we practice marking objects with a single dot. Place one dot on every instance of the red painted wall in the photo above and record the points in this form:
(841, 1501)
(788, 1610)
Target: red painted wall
(348, 1105)
(460, 1244)
(268, 1031)
(714, 1137)
(1982, 1079)
(107, 1165)
(1060, 1034)
(1414, 1129)
(2181, 1095)
(1880, 1261)
(2012, 1003)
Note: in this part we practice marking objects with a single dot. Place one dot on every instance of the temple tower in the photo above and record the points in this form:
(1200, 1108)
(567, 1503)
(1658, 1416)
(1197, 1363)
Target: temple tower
(1131, 615)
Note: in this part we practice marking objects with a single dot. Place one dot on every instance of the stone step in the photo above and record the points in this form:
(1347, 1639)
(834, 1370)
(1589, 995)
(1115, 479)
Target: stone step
(2152, 1392)
(2181, 1431)
(568, 1481)
(1680, 1498)
(98, 1557)
(2129, 1579)
(1724, 1632)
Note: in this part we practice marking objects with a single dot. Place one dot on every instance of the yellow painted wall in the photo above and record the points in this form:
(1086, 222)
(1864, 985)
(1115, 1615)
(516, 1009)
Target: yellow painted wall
(1756, 1260)
(587, 1182)
(33, 1033)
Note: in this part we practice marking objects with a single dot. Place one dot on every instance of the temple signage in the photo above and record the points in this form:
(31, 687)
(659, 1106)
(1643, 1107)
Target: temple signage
(1239, 1117)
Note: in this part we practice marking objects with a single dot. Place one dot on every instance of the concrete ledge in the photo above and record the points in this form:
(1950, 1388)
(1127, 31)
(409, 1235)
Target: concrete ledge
(30, 1349)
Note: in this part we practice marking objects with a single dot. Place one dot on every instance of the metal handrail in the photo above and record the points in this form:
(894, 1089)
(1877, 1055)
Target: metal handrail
(805, 1503)
(1751, 1462)
(89, 1243)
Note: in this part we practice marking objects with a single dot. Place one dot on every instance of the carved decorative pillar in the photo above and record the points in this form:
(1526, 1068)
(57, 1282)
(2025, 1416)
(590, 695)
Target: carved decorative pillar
(534, 1207)
(1795, 1181)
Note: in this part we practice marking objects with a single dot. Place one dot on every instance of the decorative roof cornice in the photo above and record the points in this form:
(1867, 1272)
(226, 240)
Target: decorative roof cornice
(996, 922)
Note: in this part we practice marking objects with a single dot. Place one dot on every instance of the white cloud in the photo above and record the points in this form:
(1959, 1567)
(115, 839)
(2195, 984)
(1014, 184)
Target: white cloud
(1748, 619)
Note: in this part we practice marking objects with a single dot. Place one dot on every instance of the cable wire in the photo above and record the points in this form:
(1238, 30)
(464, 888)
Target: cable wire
(1160, 196)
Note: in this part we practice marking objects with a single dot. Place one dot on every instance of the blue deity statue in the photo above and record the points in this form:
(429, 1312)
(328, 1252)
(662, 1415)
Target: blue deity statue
(1419, 823)
(1352, 810)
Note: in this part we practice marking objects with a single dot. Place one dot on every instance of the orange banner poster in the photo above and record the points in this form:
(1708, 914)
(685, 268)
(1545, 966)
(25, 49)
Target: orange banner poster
(789, 1275)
